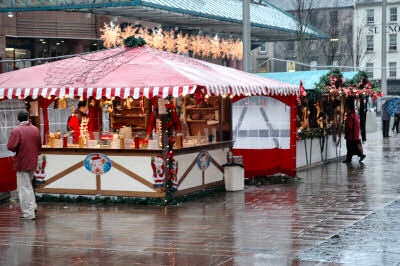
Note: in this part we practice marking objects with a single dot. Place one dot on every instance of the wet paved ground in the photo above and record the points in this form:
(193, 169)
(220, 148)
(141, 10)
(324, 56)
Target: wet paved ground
(320, 221)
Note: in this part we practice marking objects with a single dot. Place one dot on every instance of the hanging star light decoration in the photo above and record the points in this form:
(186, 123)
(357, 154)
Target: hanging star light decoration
(158, 39)
(144, 33)
(182, 43)
(128, 32)
(203, 46)
(226, 48)
(195, 44)
(170, 41)
(216, 47)
(111, 35)
(237, 50)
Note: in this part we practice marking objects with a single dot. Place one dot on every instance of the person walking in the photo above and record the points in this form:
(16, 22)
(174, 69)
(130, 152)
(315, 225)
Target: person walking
(396, 121)
(385, 121)
(352, 136)
(25, 142)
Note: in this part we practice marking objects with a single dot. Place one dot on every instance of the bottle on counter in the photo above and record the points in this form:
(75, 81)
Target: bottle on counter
(137, 142)
(121, 142)
(65, 141)
(81, 141)
(52, 140)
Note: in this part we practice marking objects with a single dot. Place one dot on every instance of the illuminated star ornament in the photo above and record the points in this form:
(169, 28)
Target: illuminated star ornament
(203, 46)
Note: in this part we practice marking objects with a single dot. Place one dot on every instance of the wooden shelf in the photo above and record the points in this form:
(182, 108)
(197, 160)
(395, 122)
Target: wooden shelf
(196, 121)
(129, 116)
(202, 109)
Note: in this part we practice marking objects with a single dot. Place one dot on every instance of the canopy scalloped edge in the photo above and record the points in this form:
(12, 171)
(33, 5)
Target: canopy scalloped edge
(148, 92)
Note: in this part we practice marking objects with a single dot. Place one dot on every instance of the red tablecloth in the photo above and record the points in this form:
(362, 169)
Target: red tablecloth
(8, 177)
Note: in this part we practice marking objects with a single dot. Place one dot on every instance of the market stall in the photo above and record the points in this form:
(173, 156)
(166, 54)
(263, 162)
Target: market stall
(160, 122)
(321, 112)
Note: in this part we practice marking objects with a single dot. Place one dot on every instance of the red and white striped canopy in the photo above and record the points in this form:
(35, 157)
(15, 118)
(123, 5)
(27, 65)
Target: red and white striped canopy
(136, 72)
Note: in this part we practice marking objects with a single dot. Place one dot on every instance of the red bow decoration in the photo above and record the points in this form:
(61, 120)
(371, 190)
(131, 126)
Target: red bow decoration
(199, 95)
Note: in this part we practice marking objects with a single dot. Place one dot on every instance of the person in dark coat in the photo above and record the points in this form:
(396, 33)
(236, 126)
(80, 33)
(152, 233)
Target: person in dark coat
(25, 141)
(385, 121)
(352, 135)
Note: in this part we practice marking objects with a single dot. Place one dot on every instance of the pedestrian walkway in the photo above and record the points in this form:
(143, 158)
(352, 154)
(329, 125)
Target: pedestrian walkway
(266, 225)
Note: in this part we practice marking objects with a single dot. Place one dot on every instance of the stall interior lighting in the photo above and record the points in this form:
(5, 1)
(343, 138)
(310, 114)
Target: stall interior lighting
(10, 14)
(9, 49)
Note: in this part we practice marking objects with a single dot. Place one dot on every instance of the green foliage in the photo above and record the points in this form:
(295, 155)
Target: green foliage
(130, 200)
(316, 133)
(134, 42)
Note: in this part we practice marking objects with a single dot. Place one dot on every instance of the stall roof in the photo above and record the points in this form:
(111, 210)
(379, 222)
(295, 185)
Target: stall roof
(309, 78)
(135, 72)
(268, 22)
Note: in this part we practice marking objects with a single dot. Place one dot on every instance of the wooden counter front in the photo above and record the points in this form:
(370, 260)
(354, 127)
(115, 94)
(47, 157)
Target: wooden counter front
(134, 171)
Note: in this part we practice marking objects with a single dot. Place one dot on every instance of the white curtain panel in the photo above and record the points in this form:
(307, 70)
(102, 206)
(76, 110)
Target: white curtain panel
(8, 120)
(261, 122)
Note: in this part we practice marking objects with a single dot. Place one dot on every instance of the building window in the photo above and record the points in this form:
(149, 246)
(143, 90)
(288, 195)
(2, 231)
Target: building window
(333, 16)
(393, 14)
(392, 42)
(370, 16)
(370, 43)
(263, 49)
(370, 70)
(392, 69)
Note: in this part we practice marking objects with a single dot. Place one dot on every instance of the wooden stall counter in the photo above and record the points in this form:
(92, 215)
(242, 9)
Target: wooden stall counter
(131, 172)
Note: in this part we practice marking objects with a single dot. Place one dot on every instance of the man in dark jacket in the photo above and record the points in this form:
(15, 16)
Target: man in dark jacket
(352, 135)
(385, 121)
(25, 142)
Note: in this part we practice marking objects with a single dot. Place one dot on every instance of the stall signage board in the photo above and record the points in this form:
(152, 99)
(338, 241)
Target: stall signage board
(97, 163)
(203, 160)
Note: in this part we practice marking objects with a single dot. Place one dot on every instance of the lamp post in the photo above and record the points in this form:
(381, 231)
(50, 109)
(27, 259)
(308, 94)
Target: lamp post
(383, 51)
(246, 35)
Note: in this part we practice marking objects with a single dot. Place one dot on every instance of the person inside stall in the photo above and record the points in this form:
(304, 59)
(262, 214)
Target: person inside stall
(155, 115)
(78, 120)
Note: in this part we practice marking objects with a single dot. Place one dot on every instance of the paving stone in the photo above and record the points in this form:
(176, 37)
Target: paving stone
(338, 213)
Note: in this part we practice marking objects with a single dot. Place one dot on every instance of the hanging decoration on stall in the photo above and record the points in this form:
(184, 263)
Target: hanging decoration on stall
(322, 110)
(157, 164)
(172, 127)
(204, 46)
(203, 160)
(40, 173)
(97, 163)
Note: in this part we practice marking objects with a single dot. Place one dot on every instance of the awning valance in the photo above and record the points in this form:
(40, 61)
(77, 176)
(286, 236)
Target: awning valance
(135, 72)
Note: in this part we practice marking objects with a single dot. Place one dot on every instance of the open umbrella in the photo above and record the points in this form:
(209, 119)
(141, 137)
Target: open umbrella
(392, 106)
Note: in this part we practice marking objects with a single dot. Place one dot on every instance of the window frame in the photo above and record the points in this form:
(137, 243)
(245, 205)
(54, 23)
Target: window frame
(394, 15)
(368, 17)
(392, 46)
(370, 48)
(392, 69)
(370, 70)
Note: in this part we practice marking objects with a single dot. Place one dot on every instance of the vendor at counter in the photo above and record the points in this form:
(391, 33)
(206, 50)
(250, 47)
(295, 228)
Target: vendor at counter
(77, 121)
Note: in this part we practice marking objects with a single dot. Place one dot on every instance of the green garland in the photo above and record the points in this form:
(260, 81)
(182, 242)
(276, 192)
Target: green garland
(169, 152)
(130, 200)
(134, 42)
(316, 133)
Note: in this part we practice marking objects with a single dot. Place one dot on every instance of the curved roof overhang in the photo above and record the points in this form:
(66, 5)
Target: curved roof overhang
(268, 23)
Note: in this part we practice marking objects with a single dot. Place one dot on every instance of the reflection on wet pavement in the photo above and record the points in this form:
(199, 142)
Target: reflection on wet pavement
(268, 225)
(374, 240)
